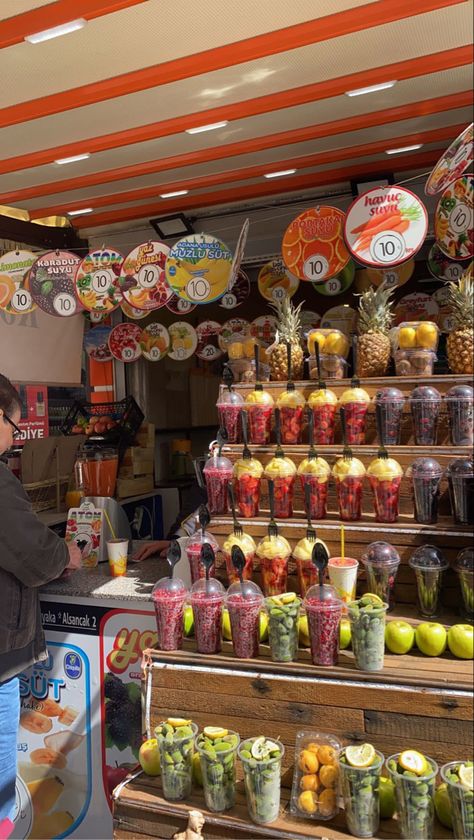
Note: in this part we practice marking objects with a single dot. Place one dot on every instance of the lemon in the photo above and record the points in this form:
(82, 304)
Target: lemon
(360, 755)
(288, 598)
(466, 776)
(335, 344)
(414, 761)
(372, 598)
(176, 722)
(215, 733)
(314, 337)
(427, 336)
(407, 338)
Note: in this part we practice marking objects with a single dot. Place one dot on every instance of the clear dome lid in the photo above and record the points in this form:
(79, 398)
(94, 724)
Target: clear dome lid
(198, 539)
(381, 554)
(460, 392)
(290, 399)
(425, 468)
(461, 467)
(464, 562)
(428, 557)
(230, 398)
(273, 546)
(219, 463)
(248, 589)
(280, 467)
(425, 393)
(389, 395)
(324, 593)
(212, 588)
(169, 587)
(315, 467)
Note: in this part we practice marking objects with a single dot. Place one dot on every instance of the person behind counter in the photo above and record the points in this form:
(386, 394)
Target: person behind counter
(30, 556)
(183, 526)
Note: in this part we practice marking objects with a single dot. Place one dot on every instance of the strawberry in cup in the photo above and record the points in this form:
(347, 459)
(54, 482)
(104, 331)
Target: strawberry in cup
(349, 474)
(385, 476)
(355, 401)
(247, 474)
(315, 471)
(282, 471)
(323, 404)
(273, 552)
(259, 405)
(305, 568)
(291, 404)
(247, 545)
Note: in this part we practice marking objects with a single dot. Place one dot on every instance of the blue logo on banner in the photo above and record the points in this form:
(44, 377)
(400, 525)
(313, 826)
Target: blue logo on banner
(72, 665)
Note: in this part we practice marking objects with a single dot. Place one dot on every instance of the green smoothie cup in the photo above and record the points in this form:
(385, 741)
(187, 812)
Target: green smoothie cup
(367, 618)
(461, 797)
(261, 760)
(176, 745)
(360, 790)
(414, 796)
(217, 750)
(283, 614)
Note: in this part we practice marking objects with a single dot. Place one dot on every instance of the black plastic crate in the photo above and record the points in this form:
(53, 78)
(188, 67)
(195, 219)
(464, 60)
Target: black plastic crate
(126, 413)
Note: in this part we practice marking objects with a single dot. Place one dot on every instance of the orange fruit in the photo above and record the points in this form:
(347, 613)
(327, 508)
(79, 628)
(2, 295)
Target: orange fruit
(291, 236)
(341, 252)
(312, 747)
(327, 754)
(7, 287)
(307, 802)
(327, 802)
(328, 775)
(308, 762)
(309, 782)
(291, 255)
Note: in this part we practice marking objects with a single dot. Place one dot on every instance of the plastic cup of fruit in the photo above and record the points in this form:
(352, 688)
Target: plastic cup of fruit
(381, 561)
(459, 402)
(356, 403)
(207, 600)
(411, 335)
(425, 403)
(247, 544)
(169, 597)
(360, 791)
(282, 471)
(244, 602)
(315, 471)
(332, 366)
(218, 472)
(324, 611)
(342, 573)
(262, 778)
(176, 746)
(229, 408)
(461, 797)
(460, 474)
(193, 551)
(291, 404)
(425, 475)
(414, 798)
(392, 403)
(217, 758)
(349, 476)
(414, 362)
(323, 404)
(259, 405)
(428, 562)
(283, 614)
(464, 567)
(367, 621)
(332, 342)
(385, 477)
(247, 481)
(273, 552)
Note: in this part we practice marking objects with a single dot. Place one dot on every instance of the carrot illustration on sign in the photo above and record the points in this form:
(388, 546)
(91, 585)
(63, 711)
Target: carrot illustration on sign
(393, 220)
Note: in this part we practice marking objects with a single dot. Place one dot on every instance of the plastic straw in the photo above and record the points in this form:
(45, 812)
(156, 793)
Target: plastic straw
(114, 536)
(342, 542)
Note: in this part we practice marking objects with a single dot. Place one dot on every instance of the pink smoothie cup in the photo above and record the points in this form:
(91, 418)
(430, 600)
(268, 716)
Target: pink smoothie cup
(169, 597)
(245, 602)
(343, 577)
(207, 599)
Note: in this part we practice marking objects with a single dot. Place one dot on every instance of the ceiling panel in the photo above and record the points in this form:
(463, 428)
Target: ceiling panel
(10, 8)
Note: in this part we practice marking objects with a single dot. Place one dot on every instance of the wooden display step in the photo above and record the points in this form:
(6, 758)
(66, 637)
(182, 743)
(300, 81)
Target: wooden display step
(141, 811)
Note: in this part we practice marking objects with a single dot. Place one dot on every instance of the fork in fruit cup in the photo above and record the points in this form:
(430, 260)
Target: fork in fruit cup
(272, 526)
(347, 451)
(310, 531)
(246, 451)
(279, 453)
(256, 352)
(238, 530)
(312, 454)
(382, 453)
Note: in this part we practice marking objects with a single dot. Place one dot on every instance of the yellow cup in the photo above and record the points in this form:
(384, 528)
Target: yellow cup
(117, 551)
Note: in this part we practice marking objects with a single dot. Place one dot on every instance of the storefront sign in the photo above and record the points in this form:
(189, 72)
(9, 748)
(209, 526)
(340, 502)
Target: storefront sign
(34, 421)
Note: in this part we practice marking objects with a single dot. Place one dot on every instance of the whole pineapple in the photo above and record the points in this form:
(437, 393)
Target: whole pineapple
(461, 338)
(288, 329)
(375, 320)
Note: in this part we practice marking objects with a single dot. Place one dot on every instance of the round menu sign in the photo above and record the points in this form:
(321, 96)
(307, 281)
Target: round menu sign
(441, 267)
(385, 226)
(264, 329)
(416, 307)
(275, 282)
(96, 344)
(342, 318)
(233, 326)
(124, 342)
(208, 348)
(454, 230)
(132, 312)
(392, 276)
(183, 341)
(198, 268)
(52, 283)
(313, 246)
(452, 163)
(142, 276)
(238, 293)
(444, 318)
(179, 306)
(15, 295)
(97, 280)
(339, 284)
(155, 342)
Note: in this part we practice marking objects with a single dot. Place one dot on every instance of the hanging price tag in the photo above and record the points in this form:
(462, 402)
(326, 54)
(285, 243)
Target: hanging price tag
(208, 348)
(155, 342)
(124, 342)
(452, 163)
(97, 281)
(454, 229)
(313, 247)
(15, 296)
(275, 282)
(183, 341)
(52, 283)
(198, 268)
(179, 306)
(142, 276)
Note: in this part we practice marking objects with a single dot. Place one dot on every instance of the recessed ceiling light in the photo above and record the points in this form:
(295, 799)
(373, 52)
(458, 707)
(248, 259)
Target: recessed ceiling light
(80, 212)
(209, 127)
(173, 194)
(56, 31)
(72, 159)
(404, 149)
(370, 89)
(279, 174)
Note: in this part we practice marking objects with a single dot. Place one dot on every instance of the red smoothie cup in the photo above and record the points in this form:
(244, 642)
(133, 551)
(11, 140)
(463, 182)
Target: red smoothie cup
(169, 597)
(207, 600)
(324, 611)
(244, 603)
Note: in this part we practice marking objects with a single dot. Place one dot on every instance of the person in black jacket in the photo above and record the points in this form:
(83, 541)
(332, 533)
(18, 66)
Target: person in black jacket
(30, 555)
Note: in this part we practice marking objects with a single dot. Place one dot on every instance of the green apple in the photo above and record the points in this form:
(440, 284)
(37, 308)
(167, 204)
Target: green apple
(263, 627)
(461, 641)
(431, 638)
(443, 805)
(388, 804)
(149, 757)
(188, 619)
(226, 629)
(197, 769)
(303, 631)
(399, 636)
(344, 634)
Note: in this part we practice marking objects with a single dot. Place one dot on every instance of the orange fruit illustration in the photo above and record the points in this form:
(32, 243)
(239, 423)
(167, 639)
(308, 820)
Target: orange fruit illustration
(291, 236)
(7, 287)
(292, 255)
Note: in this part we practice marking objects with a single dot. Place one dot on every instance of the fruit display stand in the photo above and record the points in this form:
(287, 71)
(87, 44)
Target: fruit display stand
(421, 702)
